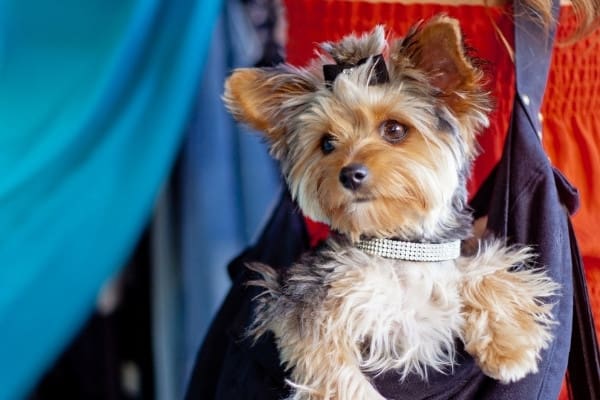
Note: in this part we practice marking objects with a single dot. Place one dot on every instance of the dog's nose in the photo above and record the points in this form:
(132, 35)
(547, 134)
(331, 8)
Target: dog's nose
(353, 175)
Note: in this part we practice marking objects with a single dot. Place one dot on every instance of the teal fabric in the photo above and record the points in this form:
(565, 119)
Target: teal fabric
(94, 98)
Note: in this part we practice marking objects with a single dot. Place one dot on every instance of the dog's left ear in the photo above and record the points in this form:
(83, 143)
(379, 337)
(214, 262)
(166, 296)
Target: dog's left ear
(436, 49)
(266, 98)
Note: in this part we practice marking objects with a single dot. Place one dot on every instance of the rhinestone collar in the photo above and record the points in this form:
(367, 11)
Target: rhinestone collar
(411, 251)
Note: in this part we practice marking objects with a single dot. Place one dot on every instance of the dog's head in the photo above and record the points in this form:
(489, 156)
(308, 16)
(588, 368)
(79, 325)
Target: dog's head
(382, 148)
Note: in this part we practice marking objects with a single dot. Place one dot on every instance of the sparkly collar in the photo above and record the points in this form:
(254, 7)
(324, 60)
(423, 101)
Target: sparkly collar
(411, 251)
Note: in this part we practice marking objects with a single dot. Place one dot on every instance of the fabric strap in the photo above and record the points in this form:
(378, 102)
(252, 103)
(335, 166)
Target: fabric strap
(584, 358)
(532, 52)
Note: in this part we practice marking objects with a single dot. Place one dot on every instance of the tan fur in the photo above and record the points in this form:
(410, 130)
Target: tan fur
(261, 97)
(341, 313)
(507, 322)
(399, 176)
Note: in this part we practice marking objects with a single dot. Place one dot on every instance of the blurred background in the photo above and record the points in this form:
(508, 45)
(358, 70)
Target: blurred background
(125, 188)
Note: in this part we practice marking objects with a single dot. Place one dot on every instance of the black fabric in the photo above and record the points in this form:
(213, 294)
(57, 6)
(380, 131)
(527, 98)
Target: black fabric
(229, 366)
(525, 207)
(532, 64)
(533, 50)
(91, 367)
(584, 358)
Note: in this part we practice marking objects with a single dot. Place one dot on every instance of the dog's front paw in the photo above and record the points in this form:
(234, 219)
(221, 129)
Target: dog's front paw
(507, 312)
(504, 350)
(333, 382)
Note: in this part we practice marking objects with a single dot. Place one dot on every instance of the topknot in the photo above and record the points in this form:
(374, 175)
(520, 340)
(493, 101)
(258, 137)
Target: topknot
(351, 49)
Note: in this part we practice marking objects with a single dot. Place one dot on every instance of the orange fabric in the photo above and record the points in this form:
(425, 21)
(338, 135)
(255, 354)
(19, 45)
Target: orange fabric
(571, 137)
(571, 123)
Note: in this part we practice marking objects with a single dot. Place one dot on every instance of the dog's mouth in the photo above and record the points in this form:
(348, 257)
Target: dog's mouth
(363, 199)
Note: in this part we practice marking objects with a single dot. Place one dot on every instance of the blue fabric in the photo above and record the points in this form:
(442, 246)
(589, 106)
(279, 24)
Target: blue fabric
(227, 181)
(94, 97)
(167, 324)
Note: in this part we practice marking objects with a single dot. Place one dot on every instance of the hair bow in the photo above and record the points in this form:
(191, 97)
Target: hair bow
(380, 73)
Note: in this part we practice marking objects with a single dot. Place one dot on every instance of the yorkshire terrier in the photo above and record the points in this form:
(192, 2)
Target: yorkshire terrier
(378, 142)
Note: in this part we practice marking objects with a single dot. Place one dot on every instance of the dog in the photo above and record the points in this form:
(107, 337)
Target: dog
(377, 141)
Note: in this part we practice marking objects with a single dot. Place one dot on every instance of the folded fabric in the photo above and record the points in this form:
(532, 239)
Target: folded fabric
(94, 97)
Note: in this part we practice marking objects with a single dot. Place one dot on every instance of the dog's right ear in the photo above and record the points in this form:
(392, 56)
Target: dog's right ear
(266, 98)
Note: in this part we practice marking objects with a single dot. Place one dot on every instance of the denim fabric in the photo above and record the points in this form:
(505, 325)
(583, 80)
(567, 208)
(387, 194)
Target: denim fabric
(222, 190)
(226, 183)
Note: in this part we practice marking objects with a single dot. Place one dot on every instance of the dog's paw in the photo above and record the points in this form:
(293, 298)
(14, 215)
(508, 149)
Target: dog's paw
(510, 368)
(365, 393)
(504, 351)
(335, 382)
(507, 311)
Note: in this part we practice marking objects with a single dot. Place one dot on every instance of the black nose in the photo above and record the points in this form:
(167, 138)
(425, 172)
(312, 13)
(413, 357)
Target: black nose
(353, 175)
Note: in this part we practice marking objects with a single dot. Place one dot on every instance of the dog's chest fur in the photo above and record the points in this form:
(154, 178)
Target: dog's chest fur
(404, 315)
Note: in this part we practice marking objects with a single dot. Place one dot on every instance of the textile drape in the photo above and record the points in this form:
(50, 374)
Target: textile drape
(94, 98)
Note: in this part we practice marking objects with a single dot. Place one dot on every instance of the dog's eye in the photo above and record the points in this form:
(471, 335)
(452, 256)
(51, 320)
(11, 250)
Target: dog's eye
(392, 131)
(327, 144)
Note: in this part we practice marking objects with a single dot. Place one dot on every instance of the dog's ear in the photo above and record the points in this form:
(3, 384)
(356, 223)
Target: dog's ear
(436, 49)
(265, 99)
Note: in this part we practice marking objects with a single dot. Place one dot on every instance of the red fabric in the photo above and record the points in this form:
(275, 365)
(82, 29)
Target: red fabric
(317, 231)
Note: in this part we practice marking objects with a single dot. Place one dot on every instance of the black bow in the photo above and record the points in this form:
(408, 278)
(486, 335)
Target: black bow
(380, 73)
